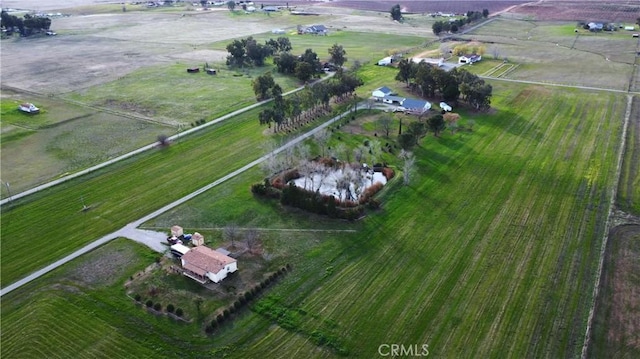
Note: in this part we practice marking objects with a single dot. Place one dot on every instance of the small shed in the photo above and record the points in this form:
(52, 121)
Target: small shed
(212, 71)
(197, 239)
(176, 231)
(385, 61)
(381, 92)
(193, 70)
(179, 250)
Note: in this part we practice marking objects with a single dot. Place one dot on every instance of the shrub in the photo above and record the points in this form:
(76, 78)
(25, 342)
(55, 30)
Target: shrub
(370, 192)
(170, 308)
(137, 297)
(226, 313)
(157, 307)
(179, 312)
(214, 323)
(388, 173)
(373, 203)
(259, 189)
(208, 329)
(149, 303)
(220, 318)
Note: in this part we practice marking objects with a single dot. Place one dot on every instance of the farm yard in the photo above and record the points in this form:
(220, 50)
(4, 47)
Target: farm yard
(490, 250)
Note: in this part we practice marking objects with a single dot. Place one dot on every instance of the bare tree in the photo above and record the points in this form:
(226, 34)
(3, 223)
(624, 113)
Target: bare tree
(338, 150)
(407, 166)
(303, 152)
(445, 50)
(322, 172)
(386, 122)
(322, 137)
(230, 233)
(251, 236)
(374, 151)
(305, 169)
(358, 152)
(495, 52)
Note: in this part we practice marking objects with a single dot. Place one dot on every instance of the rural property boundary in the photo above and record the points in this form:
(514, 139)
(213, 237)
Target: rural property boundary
(614, 191)
(142, 149)
(123, 232)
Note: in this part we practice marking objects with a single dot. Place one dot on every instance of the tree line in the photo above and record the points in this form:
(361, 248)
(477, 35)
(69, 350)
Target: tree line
(430, 81)
(248, 52)
(306, 105)
(26, 26)
(454, 26)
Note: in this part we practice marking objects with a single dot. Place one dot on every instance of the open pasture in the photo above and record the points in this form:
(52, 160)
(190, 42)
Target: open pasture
(549, 56)
(581, 10)
(170, 95)
(50, 224)
(505, 235)
(498, 231)
(628, 198)
(62, 138)
(618, 309)
(360, 46)
(91, 319)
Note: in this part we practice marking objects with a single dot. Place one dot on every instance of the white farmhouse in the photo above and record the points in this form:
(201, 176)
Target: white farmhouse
(203, 264)
(381, 92)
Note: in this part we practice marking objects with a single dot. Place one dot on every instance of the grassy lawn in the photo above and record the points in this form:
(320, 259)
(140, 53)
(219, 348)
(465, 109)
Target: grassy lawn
(617, 311)
(489, 252)
(492, 248)
(549, 52)
(54, 224)
(171, 95)
(629, 187)
(85, 301)
(361, 46)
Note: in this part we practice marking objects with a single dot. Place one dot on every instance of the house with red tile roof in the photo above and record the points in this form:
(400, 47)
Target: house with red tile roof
(203, 264)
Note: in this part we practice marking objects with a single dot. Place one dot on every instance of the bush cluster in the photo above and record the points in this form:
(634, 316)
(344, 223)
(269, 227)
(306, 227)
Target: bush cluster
(158, 306)
(244, 299)
(315, 202)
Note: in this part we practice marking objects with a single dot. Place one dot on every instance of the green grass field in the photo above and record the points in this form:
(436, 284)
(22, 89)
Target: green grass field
(629, 187)
(499, 233)
(491, 251)
(549, 52)
(361, 46)
(171, 95)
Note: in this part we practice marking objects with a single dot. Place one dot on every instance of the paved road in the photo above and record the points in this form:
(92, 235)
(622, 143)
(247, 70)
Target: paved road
(560, 85)
(151, 238)
(143, 149)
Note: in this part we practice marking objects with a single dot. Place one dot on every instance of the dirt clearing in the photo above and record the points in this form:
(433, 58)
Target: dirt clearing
(616, 327)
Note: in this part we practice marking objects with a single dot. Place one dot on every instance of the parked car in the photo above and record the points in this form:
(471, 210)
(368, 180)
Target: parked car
(445, 107)
(51, 33)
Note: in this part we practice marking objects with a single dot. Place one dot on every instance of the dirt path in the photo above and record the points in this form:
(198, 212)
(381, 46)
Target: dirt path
(150, 238)
(614, 187)
(143, 149)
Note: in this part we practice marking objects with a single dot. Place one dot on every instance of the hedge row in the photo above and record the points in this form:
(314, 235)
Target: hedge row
(244, 299)
(158, 306)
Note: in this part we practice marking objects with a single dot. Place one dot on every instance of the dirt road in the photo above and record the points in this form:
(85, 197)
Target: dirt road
(153, 239)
